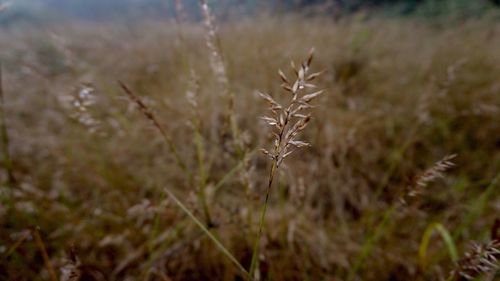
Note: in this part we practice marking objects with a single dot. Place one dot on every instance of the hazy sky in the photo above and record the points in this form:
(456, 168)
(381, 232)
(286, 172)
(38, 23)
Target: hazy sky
(102, 9)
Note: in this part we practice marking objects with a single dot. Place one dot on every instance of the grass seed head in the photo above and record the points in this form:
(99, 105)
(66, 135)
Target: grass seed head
(481, 258)
(290, 120)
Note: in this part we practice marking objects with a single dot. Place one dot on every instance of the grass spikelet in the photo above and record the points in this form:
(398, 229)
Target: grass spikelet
(436, 171)
(230, 126)
(480, 259)
(287, 122)
(219, 69)
(213, 46)
(430, 175)
(412, 191)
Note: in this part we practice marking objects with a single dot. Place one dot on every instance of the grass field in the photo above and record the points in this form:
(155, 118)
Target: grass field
(110, 184)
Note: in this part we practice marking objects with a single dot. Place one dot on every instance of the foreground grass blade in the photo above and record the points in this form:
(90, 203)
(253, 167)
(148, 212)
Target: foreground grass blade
(209, 234)
(45, 255)
(426, 238)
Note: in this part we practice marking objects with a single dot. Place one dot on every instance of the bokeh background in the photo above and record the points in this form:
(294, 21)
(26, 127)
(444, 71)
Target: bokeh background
(406, 83)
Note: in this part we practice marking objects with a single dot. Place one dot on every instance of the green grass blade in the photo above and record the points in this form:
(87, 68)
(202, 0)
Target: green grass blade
(477, 207)
(369, 243)
(426, 238)
(209, 234)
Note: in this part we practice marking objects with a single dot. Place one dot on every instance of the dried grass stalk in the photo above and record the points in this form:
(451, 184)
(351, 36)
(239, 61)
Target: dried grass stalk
(287, 123)
(436, 171)
(431, 174)
(230, 125)
(149, 114)
(213, 45)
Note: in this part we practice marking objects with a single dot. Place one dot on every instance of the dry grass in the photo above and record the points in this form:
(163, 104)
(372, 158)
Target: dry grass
(482, 258)
(394, 103)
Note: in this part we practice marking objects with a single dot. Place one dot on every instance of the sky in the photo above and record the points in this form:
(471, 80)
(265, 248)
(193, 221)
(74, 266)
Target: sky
(105, 9)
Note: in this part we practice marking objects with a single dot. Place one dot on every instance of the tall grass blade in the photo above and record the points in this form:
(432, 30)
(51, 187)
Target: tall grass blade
(209, 234)
(426, 238)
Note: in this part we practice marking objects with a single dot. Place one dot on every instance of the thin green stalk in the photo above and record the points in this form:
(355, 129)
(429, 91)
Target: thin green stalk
(255, 254)
(227, 176)
(173, 149)
(210, 235)
(7, 160)
(231, 173)
(370, 242)
(199, 149)
(477, 207)
(153, 256)
(202, 196)
(154, 231)
(394, 164)
(178, 158)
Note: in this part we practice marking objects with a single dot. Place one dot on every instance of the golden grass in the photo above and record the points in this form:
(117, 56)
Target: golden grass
(399, 95)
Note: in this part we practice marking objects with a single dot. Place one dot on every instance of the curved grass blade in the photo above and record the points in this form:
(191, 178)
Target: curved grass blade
(426, 238)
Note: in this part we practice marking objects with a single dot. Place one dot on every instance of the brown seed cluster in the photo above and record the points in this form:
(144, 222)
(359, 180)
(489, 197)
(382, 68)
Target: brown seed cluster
(482, 258)
(289, 121)
(431, 174)
(212, 41)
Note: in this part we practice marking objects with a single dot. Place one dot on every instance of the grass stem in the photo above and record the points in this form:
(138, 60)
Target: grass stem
(7, 160)
(255, 253)
(209, 234)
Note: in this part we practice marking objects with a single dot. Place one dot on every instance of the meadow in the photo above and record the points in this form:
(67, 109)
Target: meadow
(132, 151)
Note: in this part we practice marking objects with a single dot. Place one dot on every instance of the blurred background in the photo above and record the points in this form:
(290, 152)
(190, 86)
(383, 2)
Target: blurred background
(105, 103)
